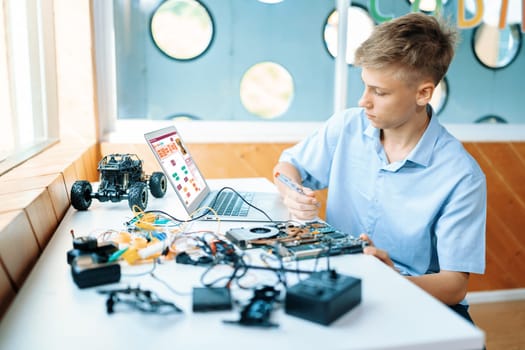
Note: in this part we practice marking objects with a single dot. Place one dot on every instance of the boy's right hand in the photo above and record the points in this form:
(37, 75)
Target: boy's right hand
(302, 206)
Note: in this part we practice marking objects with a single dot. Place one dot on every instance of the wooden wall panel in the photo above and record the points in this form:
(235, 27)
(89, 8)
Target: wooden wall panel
(54, 183)
(91, 158)
(39, 209)
(18, 246)
(504, 168)
(237, 160)
(35, 197)
(502, 162)
(7, 291)
(43, 218)
(59, 196)
(70, 176)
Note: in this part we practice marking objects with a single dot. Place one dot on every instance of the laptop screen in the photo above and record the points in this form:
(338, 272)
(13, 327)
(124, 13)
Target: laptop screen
(179, 167)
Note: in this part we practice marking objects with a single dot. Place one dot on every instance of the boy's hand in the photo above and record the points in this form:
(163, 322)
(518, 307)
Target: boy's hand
(302, 206)
(371, 249)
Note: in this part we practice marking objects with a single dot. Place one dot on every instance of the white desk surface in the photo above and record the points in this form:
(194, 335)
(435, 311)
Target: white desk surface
(50, 312)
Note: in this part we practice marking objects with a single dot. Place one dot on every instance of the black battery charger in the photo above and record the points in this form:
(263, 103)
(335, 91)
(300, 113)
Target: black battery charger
(90, 264)
(87, 272)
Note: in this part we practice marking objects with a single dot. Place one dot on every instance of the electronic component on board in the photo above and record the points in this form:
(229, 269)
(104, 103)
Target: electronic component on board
(297, 241)
(243, 236)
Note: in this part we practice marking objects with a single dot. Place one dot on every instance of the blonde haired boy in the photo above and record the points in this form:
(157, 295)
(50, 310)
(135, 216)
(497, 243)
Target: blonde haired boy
(393, 172)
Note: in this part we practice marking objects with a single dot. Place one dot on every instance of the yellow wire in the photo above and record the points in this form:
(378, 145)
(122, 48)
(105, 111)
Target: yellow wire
(144, 221)
(214, 213)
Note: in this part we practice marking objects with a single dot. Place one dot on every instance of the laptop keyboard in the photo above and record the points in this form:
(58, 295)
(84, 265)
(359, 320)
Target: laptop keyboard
(230, 204)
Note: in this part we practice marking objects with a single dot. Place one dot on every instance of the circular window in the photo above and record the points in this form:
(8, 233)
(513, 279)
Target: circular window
(360, 26)
(491, 119)
(181, 117)
(267, 90)
(429, 5)
(494, 47)
(182, 29)
(439, 98)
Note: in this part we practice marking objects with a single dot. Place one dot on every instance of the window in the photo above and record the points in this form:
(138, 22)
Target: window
(28, 96)
(181, 16)
(241, 50)
(360, 26)
(494, 47)
(266, 90)
(247, 48)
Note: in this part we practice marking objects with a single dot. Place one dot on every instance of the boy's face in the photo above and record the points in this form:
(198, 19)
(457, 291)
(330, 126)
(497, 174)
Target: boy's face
(389, 101)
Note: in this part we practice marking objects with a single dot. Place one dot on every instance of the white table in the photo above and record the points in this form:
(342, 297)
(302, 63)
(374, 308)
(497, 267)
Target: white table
(50, 312)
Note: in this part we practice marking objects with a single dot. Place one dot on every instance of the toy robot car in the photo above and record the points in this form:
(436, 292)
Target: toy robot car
(121, 177)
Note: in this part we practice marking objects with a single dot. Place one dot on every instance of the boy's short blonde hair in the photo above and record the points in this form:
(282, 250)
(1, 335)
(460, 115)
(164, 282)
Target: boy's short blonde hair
(420, 45)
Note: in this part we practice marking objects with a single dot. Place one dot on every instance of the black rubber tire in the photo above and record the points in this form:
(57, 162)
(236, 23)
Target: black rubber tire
(158, 184)
(138, 195)
(81, 195)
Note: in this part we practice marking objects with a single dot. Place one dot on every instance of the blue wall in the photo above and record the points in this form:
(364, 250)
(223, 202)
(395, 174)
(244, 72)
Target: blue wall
(151, 85)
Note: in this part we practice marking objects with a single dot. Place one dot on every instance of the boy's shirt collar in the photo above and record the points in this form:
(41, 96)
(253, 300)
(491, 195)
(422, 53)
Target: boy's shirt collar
(422, 153)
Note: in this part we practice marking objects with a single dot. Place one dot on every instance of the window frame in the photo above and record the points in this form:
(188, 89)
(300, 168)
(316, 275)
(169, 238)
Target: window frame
(42, 87)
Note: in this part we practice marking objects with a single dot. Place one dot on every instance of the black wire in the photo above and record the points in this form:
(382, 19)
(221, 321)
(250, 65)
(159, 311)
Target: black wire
(316, 261)
(234, 275)
(205, 246)
(238, 264)
(245, 201)
(280, 272)
(214, 282)
(208, 210)
(297, 267)
(158, 211)
(328, 267)
(255, 267)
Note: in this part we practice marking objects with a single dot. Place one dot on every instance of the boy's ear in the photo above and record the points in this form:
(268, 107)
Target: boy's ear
(424, 93)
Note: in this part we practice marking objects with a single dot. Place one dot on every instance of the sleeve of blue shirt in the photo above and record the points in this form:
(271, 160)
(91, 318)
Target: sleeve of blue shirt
(460, 227)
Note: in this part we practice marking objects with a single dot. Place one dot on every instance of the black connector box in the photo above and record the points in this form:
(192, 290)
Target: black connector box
(211, 299)
(102, 252)
(323, 297)
(87, 272)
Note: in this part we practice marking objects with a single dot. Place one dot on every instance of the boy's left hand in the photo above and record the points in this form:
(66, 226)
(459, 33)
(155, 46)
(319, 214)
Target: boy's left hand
(371, 249)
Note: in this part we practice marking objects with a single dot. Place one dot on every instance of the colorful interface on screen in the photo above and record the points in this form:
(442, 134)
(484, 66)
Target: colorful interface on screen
(179, 166)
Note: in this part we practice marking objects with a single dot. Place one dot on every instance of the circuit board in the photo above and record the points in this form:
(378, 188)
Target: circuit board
(297, 241)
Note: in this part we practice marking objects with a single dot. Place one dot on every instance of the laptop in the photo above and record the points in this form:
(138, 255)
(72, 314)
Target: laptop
(193, 191)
